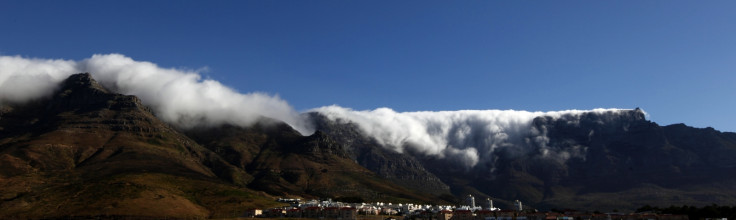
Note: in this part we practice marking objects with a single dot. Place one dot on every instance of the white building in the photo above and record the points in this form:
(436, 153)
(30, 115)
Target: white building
(470, 201)
(489, 204)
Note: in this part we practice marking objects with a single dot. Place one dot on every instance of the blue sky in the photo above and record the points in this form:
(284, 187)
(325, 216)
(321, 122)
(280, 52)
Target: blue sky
(674, 59)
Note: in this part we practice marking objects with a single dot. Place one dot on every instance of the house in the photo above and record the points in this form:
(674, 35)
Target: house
(505, 215)
(485, 215)
(331, 212)
(444, 215)
(312, 212)
(623, 216)
(348, 213)
(673, 217)
(276, 213)
(252, 213)
(294, 213)
(462, 215)
(369, 211)
(389, 211)
(534, 215)
(580, 216)
(425, 215)
(601, 216)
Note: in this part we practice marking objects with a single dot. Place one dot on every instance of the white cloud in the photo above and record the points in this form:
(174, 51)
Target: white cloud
(23, 79)
(179, 97)
(468, 136)
(183, 98)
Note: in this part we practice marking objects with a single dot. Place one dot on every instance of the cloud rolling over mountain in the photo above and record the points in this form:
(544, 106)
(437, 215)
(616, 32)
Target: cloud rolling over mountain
(183, 98)
(468, 137)
(180, 97)
(23, 79)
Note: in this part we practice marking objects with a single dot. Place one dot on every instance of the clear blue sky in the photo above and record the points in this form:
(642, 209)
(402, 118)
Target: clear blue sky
(674, 59)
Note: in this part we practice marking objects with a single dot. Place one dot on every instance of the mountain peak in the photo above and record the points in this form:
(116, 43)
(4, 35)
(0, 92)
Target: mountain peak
(82, 92)
(82, 81)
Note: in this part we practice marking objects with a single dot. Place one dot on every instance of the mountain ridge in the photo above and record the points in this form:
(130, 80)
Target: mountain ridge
(89, 151)
(578, 155)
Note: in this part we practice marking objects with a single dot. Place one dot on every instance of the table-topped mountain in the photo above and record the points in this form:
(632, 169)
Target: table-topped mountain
(590, 161)
(623, 161)
(87, 151)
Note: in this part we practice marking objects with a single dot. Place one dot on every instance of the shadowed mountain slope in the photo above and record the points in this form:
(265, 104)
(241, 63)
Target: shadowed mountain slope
(588, 161)
(628, 161)
(282, 162)
(89, 152)
(403, 169)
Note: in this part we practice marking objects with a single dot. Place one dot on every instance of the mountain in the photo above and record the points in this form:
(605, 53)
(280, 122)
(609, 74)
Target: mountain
(628, 162)
(283, 162)
(631, 161)
(87, 151)
(402, 169)
(590, 161)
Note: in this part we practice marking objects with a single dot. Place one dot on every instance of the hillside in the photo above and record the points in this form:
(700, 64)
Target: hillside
(283, 162)
(589, 161)
(87, 151)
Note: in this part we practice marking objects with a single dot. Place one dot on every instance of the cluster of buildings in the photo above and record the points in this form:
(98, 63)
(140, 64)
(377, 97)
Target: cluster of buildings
(306, 212)
(515, 215)
(469, 211)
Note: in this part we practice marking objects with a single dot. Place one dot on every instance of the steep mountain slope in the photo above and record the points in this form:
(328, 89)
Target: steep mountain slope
(87, 151)
(402, 169)
(283, 162)
(604, 161)
(634, 162)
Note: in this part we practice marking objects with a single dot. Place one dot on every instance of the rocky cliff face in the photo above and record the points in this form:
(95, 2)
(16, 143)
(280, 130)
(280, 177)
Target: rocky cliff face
(282, 162)
(89, 151)
(596, 160)
(635, 150)
(402, 169)
(614, 161)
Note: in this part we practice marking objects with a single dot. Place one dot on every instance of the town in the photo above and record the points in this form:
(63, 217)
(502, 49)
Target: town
(468, 211)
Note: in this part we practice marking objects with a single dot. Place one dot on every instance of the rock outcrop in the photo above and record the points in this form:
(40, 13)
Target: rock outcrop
(87, 151)
(402, 169)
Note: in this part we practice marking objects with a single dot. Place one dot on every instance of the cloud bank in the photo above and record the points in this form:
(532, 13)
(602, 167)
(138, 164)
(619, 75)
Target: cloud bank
(179, 97)
(184, 99)
(468, 137)
(23, 80)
